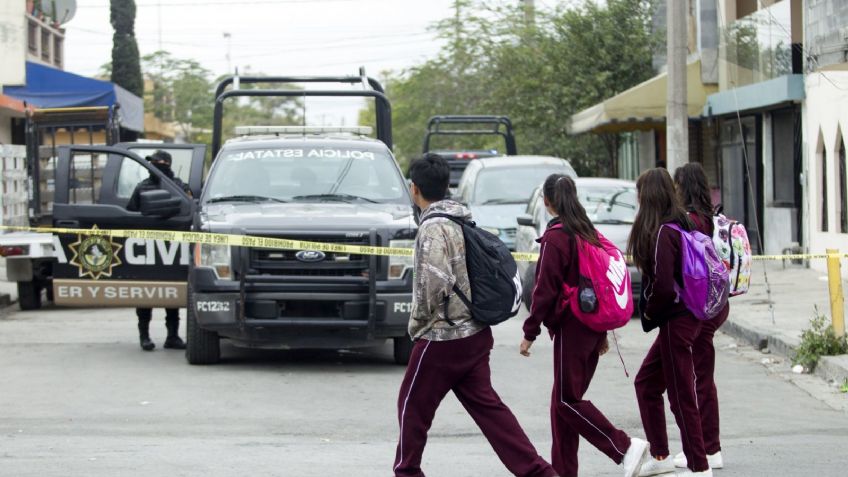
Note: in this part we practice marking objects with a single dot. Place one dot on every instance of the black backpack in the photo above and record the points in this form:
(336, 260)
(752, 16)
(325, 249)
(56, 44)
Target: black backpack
(492, 272)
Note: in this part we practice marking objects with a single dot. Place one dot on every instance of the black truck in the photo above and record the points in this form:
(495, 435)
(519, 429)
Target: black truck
(318, 184)
(456, 126)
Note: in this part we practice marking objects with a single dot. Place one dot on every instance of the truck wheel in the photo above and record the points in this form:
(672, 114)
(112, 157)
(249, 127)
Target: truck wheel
(403, 349)
(202, 346)
(29, 296)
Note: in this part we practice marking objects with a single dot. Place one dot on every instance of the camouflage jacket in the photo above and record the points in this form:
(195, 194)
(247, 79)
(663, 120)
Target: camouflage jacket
(439, 264)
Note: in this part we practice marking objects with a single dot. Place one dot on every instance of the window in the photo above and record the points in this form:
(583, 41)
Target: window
(45, 44)
(180, 159)
(822, 183)
(130, 175)
(307, 173)
(57, 51)
(32, 37)
(511, 185)
(85, 176)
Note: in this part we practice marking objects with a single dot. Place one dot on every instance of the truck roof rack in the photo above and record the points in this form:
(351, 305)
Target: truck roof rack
(371, 89)
(497, 126)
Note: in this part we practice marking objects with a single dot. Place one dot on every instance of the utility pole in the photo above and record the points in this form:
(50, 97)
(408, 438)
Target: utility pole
(529, 13)
(677, 116)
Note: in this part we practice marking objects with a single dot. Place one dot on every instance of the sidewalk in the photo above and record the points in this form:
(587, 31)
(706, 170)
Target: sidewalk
(795, 291)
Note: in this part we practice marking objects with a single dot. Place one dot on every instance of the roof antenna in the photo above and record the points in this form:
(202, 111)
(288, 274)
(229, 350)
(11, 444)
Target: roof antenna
(364, 78)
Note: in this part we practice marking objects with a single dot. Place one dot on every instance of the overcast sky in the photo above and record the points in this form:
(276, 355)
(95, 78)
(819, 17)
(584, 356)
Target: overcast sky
(296, 37)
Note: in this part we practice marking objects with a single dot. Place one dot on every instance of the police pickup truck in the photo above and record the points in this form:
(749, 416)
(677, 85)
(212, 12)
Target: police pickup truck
(331, 185)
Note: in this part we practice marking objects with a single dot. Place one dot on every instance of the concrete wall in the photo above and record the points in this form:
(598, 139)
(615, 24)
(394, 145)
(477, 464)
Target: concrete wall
(5, 127)
(825, 119)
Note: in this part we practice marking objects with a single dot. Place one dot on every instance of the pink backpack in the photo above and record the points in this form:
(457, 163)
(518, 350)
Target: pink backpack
(603, 299)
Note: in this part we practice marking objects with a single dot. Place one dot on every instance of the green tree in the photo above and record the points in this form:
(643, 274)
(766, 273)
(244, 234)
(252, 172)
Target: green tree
(181, 92)
(126, 70)
(494, 63)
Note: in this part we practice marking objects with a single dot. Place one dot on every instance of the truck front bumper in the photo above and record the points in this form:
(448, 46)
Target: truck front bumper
(277, 314)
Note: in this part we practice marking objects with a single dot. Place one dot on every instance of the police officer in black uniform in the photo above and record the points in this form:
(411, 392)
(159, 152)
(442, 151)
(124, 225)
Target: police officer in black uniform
(160, 160)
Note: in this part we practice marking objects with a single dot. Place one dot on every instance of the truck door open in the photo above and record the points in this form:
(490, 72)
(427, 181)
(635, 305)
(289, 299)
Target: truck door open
(104, 271)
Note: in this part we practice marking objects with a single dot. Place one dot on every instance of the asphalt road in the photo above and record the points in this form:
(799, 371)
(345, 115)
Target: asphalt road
(79, 398)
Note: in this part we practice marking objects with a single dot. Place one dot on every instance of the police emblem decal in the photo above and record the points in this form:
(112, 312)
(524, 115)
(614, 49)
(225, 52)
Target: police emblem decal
(95, 255)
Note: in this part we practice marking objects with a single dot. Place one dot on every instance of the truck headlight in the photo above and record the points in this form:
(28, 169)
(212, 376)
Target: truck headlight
(216, 257)
(399, 265)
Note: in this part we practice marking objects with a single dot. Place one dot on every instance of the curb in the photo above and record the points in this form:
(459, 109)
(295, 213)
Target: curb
(833, 368)
(829, 368)
(761, 338)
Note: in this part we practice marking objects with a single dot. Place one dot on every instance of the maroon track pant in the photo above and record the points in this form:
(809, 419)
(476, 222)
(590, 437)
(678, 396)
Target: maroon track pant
(576, 352)
(670, 361)
(461, 366)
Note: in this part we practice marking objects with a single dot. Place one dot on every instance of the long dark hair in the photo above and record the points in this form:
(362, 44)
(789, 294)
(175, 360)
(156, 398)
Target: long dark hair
(561, 192)
(658, 205)
(693, 188)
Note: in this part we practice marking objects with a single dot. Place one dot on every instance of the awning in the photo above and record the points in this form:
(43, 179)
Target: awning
(763, 95)
(12, 104)
(642, 106)
(51, 88)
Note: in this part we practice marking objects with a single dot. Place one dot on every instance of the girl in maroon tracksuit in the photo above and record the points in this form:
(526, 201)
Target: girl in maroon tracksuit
(694, 192)
(576, 346)
(669, 365)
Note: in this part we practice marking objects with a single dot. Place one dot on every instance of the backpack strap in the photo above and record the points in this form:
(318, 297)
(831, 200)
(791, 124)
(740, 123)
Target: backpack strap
(452, 218)
(464, 299)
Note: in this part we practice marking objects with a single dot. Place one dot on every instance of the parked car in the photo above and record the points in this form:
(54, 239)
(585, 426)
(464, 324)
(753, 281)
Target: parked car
(497, 189)
(610, 204)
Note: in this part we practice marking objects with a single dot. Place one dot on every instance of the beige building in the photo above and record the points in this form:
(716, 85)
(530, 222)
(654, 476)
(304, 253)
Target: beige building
(746, 86)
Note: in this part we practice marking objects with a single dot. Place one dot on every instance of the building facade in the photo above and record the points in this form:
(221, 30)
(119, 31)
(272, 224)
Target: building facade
(825, 119)
(745, 92)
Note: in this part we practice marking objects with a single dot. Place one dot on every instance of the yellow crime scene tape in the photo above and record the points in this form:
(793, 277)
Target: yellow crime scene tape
(288, 244)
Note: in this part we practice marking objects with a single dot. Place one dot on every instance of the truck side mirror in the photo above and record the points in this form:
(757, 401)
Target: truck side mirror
(525, 221)
(159, 203)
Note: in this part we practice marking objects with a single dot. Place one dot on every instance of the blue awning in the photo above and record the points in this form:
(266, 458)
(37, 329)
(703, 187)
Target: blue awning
(52, 88)
(758, 96)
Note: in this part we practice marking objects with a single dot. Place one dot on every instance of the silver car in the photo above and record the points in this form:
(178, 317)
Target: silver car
(610, 204)
(497, 189)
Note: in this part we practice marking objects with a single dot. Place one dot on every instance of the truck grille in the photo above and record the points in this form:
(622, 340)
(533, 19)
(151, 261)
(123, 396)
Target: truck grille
(285, 262)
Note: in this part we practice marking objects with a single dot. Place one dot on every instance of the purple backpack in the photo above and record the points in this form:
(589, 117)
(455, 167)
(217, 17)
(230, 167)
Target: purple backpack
(705, 277)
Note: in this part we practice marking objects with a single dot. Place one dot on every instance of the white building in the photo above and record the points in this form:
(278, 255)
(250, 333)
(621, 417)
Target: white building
(825, 119)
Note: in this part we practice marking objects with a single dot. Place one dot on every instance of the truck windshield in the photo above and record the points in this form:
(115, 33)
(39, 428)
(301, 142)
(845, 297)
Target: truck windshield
(511, 185)
(306, 174)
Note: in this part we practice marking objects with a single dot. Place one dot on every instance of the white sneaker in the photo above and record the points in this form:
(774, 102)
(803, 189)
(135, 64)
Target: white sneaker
(689, 473)
(636, 455)
(715, 460)
(657, 467)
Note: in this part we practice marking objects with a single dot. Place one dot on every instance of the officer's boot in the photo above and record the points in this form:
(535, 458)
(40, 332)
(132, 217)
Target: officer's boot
(144, 335)
(172, 323)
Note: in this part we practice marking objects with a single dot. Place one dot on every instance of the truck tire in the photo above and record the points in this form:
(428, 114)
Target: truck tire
(202, 346)
(403, 349)
(29, 295)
